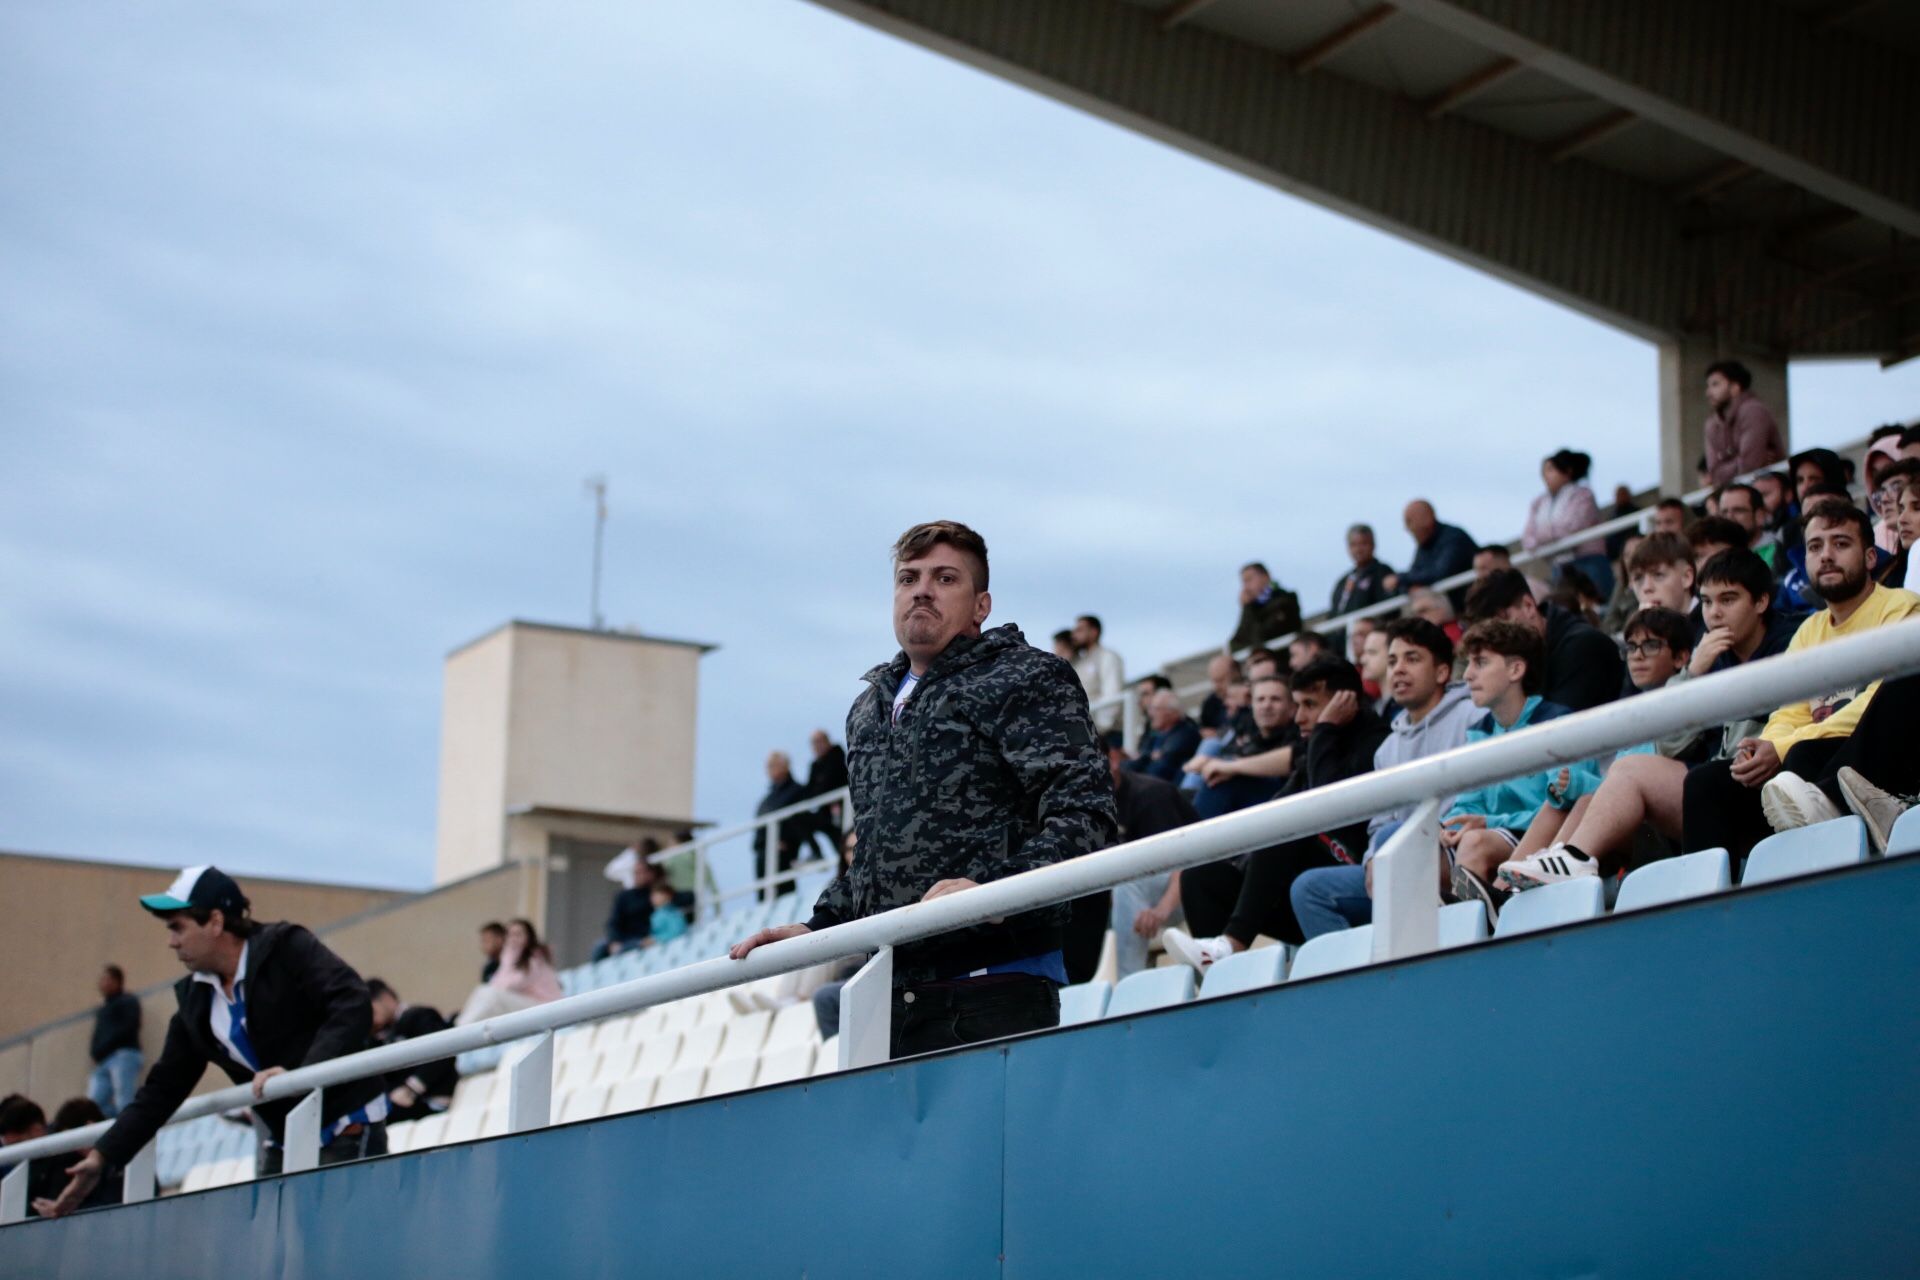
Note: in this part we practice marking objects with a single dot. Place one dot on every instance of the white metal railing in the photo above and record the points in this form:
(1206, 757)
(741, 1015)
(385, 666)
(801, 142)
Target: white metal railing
(1128, 700)
(767, 824)
(1748, 690)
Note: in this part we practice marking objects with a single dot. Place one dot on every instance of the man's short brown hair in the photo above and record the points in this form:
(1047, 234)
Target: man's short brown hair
(922, 538)
(1510, 640)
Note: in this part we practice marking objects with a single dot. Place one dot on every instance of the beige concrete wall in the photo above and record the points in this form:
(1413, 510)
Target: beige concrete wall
(70, 917)
(473, 757)
(425, 945)
(602, 722)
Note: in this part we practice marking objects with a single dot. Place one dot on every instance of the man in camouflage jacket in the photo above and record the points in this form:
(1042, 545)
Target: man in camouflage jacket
(972, 757)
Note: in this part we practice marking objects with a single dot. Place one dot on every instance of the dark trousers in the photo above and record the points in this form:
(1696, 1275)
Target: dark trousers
(1718, 813)
(784, 860)
(946, 1015)
(1086, 933)
(1245, 901)
(370, 1141)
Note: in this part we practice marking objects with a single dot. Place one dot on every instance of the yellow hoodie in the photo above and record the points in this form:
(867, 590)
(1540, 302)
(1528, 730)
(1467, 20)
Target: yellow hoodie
(1833, 715)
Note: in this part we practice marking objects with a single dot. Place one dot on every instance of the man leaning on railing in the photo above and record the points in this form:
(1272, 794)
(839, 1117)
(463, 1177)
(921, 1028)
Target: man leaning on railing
(972, 757)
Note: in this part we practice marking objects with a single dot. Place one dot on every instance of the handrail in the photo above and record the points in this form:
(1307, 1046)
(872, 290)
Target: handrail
(1614, 524)
(1746, 690)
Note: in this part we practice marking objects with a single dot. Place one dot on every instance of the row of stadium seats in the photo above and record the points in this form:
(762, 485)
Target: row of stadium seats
(1820, 847)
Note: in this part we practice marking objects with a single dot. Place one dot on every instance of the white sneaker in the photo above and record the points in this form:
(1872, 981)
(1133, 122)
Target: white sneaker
(1878, 809)
(1198, 952)
(1791, 802)
(1549, 866)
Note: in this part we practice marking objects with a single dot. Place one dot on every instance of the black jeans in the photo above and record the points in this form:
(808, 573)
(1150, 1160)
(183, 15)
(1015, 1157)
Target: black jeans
(1718, 813)
(370, 1141)
(1244, 902)
(945, 1015)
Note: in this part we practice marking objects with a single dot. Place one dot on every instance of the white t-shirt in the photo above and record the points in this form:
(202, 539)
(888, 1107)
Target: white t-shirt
(1913, 570)
(900, 695)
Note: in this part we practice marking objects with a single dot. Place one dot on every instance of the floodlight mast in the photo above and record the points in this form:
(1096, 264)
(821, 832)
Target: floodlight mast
(596, 487)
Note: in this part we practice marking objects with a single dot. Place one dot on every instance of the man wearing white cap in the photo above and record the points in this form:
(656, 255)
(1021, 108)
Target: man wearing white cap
(258, 1000)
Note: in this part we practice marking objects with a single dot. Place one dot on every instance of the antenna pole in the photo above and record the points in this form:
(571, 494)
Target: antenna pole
(597, 489)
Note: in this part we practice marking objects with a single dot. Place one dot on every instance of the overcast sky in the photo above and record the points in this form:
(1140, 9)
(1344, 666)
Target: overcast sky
(315, 317)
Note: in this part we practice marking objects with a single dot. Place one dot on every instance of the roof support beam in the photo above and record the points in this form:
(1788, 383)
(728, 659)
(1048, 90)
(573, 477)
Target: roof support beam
(1786, 96)
(1470, 87)
(1591, 136)
(1721, 175)
(1308, 59)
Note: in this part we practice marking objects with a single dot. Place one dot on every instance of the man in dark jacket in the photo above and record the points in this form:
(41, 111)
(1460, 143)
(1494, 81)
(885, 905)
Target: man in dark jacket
(972, 757)
(412, 1092)
(1439, 550)
(258, 1001)
(1584, 667)
(1267, 609)
(1232, 902)
(1366, 582)
(783, 791)
(115, 1048)
(827, 775)
(1172, 743)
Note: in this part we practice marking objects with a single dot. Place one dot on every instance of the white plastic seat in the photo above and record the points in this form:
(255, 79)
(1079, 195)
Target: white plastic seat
(585, 1103)
(630, 1095)
(1333, 953)
(614, 1031)
(199, 1177)
(1151, 989)
(746, 1034)
(790, 1062)
(701, 1045)
(464, 1126)
(428, 1131)
(681, 1015)
(793, 1025)
(400, 1136)
(682, 1084)
(1084, 1002)
(1552, 905)
(656, 1056)
(1245, 971)
(1672, 879)
(826, 1060)
(570, 1073)
(573, 1042)
(1906, 834)
(729, 1075)
(1819, 847)
(712, 1007)
(473, 1091)
(1462, 924)
(786, 909)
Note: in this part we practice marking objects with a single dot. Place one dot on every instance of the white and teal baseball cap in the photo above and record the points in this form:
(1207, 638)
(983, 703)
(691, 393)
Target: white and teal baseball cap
(204, 886)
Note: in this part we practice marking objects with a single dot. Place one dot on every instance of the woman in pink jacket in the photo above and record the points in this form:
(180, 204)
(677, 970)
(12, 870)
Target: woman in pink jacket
(525, 977)
(1567, 507)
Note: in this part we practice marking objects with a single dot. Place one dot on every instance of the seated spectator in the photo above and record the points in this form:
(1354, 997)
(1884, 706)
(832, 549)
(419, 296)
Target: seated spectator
(1787, 776)
(115, 1047)
(1742, 504)
(1811, 468)
(1484, 827)
(1661, 572)
(1670, 516)
(1741, 434)
(1063, 649)
(1222, 671)
(1575, 592)
(1623, 603)
(1139, 909)
(412, 1092)
(1490, 557)
(1366, 582)
(1776, 500)
(1238, 724)
(1172, 742)
(1904, 569)
(1736, 591)
(1102, 671)
(1146, 689)
(21, 1120)
(1439, 550)
(493, 938)
(669, 921)
(1372, 662)
(1306, 649)
(1567, 507)
(1262, 662)
(1910, 442)
(1425, 602)
(630, 920)
(524, 979)
(1267, 610)
(1710, 535)
(1230, 903)
(1582, 668)
(49, 1172)
(1255, 765)
(1433, 717)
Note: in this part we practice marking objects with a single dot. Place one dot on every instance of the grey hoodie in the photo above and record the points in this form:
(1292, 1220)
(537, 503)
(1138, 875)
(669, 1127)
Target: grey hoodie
(1444, 728)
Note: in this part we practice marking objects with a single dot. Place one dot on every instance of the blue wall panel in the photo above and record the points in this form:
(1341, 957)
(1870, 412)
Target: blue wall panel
(1722, 1088)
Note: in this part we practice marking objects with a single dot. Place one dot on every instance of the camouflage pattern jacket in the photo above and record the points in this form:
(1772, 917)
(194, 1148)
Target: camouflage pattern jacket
(993, 769)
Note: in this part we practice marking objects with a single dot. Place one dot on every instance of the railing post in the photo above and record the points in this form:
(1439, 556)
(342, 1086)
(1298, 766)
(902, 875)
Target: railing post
(138, 1178)
(1406, 888)
(866, 1013)
(530, 1087)
(300, 1145)
(13, 1193)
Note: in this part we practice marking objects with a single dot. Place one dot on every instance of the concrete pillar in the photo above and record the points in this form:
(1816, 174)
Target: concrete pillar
(1683, 403)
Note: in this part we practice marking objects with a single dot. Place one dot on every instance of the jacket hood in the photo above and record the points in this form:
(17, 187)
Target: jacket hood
(1450, 699)
(962, 653)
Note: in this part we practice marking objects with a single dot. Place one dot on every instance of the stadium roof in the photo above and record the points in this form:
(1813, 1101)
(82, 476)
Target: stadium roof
(1741, 172)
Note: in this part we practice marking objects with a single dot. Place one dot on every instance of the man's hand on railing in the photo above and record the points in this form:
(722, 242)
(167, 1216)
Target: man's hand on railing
(260, 1079)
(779, 933)
(82, 1177)
(945, 887)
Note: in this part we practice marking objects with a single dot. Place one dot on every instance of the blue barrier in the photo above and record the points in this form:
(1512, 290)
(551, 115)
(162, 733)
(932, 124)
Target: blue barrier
(1722, 1086)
